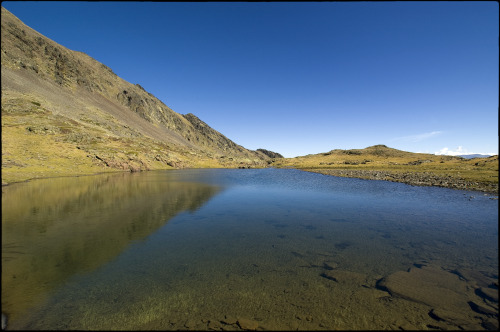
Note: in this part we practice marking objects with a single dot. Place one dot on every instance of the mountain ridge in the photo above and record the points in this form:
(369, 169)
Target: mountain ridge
(69, 97)
(66, 114)
(474, 155)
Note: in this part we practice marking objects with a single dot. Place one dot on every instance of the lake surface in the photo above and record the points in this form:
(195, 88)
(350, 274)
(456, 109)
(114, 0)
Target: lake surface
(227, 249)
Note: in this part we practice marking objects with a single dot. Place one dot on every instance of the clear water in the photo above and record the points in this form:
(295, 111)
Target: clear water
(203, 249)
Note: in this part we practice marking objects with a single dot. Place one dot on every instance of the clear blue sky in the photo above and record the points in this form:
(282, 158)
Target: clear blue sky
(302, 77)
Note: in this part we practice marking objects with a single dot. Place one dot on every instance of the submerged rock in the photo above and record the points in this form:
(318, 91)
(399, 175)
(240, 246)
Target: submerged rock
(483, 309)
(343, 276)
(451, 297)
(488, 294)
(448, 316)
(4, 321)
(247, 324)
(476, 278)
(432, 286)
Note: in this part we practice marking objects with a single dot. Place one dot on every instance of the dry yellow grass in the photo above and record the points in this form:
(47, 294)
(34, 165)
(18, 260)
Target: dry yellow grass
(23, 158)
(381, 162)
(37, 143)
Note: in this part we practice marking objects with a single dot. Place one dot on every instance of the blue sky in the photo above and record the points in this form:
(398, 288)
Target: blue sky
(302, 77)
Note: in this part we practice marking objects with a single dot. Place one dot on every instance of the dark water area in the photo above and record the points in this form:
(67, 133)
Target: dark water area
(265, 249)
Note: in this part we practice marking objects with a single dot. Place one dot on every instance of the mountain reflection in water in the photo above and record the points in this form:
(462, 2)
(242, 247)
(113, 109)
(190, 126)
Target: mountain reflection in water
(54, 229)
(274, 250)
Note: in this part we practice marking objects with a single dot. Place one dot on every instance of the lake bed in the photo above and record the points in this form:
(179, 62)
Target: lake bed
(227, 249)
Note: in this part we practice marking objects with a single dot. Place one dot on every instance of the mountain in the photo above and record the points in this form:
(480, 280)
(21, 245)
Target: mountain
(472, 156)
(65, 113)
(270, 154)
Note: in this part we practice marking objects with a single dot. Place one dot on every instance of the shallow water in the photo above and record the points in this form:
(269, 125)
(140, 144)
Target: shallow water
(230, 249)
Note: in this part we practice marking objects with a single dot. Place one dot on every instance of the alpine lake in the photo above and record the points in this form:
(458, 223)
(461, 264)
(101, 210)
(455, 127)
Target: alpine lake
(246, 249)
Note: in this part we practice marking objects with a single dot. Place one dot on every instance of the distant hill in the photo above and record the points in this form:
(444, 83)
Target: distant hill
(472, 156)
(379, 162)
(83, 118)
(372, 155)
(379, 150)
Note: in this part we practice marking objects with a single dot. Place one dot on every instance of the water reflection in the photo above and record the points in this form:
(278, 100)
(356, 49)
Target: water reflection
(275, 250)
(53, 229)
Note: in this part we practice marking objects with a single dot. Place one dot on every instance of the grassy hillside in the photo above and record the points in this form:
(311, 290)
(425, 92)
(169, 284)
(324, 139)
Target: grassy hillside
(384, 163)
(64, 113)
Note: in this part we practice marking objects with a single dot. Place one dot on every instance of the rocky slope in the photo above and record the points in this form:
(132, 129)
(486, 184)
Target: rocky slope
(64, 113)
(65, 101)
(270, 154)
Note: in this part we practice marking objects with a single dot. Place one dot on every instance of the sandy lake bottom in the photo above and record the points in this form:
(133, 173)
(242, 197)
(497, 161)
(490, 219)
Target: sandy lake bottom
(252, 249)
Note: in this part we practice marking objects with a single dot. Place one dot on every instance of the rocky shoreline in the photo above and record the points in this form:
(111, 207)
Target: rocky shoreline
(412, 178)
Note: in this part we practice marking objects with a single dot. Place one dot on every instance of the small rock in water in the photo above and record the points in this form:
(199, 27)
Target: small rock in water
(247, 324)
(343, 276)
(190, 323)
(482, 309)
(214, 325)
(229, 320)
(342, 245)
(4, 321)
(330, 265)
(487, 293)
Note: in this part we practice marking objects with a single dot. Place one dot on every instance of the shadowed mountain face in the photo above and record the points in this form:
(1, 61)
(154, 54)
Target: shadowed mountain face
(66, 101)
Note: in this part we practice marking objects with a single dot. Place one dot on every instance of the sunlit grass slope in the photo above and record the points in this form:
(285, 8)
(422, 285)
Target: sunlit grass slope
(38, 143)
(384, 163)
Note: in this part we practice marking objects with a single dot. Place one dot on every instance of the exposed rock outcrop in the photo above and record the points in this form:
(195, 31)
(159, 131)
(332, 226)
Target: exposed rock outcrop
(270, 154)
